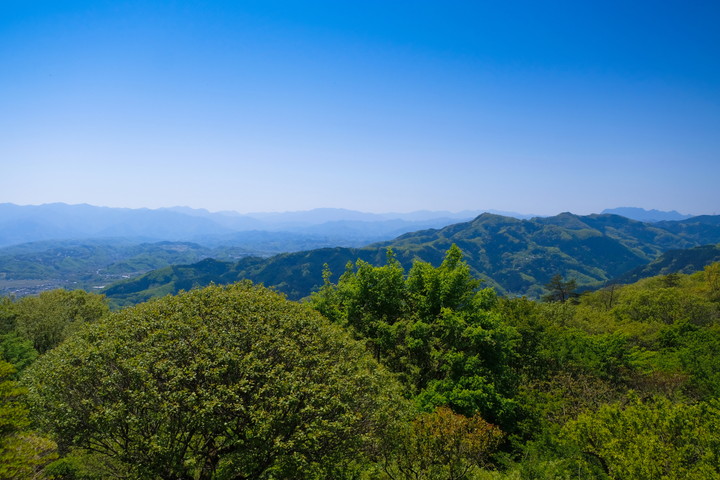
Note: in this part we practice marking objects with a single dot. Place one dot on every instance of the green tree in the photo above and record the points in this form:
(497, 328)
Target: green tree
(225, 382)
(560, 290)
(51, 316)
(435, 328)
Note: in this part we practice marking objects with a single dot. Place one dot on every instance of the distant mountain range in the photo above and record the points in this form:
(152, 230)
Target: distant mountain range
(83, 246)
(515, 256)
(646, 215)
(319, 227)
(178, 248)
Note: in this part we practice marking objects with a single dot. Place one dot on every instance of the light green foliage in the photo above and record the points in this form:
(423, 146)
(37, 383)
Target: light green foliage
(650, 440)
(658, 337)
(666, 305)
(440, 445)
(51, 316)
(712, 281)
(233, 382)
(22, 453)
(435, 328)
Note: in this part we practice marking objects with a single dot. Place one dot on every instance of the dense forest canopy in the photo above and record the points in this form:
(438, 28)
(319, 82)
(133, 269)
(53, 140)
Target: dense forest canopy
(385, 372)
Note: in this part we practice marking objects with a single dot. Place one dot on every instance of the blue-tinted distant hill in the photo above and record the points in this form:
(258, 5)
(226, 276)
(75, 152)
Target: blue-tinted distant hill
(320, 227)
(646, 215)
(59, 221)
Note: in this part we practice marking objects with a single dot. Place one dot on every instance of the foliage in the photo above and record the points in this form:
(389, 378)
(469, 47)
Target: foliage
(17, 351)
(650, 440)
(7, 315)
(516, 257)
(441, 445)
(237, 382)
(712, 280)
(657, 338)
(23, 454)
(434, 327)
(231, 382)
(560, 290)
(48, 318)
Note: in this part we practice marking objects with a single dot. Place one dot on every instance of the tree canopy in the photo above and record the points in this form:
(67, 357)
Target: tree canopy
(435, 327)
(223, 382)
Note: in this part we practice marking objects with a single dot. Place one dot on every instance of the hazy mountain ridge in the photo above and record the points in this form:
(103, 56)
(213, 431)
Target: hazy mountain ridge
(73, 246)
(59, 221)
(644, 215)
(515, 256)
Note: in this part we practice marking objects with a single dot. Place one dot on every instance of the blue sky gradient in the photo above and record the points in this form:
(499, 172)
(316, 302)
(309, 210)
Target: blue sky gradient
(534, 107)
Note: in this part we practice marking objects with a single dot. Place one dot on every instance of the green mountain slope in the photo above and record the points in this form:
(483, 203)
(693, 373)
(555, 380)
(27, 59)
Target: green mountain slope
(674, 261)
(515, 256)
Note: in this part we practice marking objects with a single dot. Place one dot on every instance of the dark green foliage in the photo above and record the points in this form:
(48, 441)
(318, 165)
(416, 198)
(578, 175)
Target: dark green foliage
(17, 351)
(675, 261)
(7, 315)
(435, 328)
(231, 382)
(560, 290)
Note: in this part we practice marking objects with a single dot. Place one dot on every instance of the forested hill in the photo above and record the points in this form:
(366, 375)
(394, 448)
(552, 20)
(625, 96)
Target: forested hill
(674, 261)
(515, 256)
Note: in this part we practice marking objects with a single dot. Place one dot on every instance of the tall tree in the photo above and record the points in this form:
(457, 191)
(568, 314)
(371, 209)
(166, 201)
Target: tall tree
(560, 290)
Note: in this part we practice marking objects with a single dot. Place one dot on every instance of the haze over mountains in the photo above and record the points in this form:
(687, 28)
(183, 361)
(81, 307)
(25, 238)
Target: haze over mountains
(340, 227)
(515, 256)
(82, 246)
(327, 226)
(646, 215)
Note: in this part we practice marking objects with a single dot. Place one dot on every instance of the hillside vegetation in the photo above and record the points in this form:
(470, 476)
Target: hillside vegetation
(516, 257)
(384, 373)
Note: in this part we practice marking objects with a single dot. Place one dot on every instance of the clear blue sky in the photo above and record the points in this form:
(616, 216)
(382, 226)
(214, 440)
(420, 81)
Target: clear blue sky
(527, 106)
